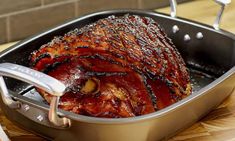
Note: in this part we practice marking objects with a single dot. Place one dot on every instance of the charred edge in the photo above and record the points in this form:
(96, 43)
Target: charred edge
(169, 83)
(98, 56)
(105, 73)
(134, 68)
(54, 65)
(171, 86)
(117, 55)
(82, 69)
(152, 75)
(44, 55)
(150, 92)
(77, 47)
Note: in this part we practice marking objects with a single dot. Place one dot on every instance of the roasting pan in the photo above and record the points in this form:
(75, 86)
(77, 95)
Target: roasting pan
(208, 52)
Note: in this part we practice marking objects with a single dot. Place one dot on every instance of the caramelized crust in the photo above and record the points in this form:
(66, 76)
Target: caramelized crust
(116, 67)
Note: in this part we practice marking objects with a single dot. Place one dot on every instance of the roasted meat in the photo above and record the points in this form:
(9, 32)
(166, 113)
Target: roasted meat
(116, 67)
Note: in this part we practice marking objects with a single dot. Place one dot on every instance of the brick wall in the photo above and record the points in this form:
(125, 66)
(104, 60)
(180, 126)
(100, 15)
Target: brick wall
(21, 18)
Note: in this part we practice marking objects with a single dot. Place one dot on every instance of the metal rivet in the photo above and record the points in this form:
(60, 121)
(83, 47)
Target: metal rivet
(26, 107)
(175, 29)
(187, 38)
(40, 118)
(199, 35)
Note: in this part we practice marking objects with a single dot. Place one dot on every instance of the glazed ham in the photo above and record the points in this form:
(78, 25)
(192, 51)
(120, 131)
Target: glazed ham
(116, 67)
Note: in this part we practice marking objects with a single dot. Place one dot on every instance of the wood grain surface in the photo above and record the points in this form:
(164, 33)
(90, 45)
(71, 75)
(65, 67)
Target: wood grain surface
(218, 125)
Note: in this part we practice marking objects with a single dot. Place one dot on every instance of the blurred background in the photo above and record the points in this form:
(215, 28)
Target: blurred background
(21, 18)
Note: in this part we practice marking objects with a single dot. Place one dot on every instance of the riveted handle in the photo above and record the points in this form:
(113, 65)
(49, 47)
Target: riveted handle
(39, 80)
(223, 3)
(173, 5)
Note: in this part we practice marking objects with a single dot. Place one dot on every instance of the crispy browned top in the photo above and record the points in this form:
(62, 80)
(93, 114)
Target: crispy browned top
(116, 67)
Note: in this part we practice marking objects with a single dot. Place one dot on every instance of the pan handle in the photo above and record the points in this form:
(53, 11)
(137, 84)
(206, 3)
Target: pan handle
(39, 80)
(173, 4)
(223, 3)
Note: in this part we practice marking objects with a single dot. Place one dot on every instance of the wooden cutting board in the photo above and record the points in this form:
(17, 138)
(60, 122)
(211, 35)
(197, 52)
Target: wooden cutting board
(219, 125)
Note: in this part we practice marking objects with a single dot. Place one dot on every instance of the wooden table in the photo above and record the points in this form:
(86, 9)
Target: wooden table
(219, 125)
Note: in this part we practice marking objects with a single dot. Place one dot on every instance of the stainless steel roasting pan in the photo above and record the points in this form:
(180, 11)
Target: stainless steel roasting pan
(208, 52)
